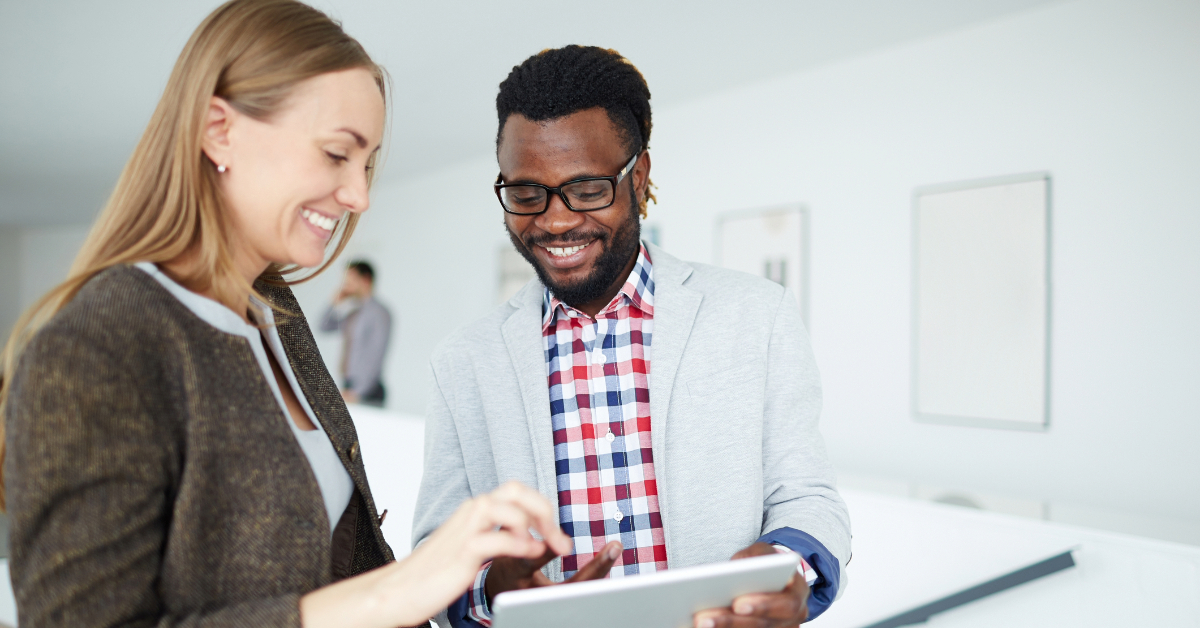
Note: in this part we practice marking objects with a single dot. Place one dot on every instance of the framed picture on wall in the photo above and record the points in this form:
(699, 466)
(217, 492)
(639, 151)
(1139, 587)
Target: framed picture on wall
(770, 242)
(981, 303)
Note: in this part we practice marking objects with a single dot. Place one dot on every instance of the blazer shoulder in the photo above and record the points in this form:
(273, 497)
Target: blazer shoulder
(724, 283)
(476, 336)
(121, 298)
(121, 317)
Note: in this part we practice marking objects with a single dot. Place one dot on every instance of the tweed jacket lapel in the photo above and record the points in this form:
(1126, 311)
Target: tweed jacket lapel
(322, 393)
(523, 337)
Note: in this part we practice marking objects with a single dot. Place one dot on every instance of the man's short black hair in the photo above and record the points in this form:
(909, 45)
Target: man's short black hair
(558, 82)
(363, 268)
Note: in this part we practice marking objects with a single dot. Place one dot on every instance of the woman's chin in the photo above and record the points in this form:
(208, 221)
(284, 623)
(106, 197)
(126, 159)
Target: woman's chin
(308, 259)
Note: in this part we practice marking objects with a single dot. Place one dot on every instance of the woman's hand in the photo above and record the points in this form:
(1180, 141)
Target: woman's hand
(443, 567)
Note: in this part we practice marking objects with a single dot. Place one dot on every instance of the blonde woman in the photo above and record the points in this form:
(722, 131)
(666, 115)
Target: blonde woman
(176, 452)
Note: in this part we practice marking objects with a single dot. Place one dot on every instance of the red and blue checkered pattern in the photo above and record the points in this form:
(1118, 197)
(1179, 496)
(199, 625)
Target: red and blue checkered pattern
(600, 410)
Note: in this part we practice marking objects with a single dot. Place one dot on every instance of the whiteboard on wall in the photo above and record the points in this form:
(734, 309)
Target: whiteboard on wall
(981, 297)
(770, 243)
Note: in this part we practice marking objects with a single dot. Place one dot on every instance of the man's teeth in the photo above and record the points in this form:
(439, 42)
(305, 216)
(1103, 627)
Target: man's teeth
(318, 220)
(559, 251)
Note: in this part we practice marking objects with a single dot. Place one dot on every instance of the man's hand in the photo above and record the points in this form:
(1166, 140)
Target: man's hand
(344, 292)
(788, 607)
(509, 574)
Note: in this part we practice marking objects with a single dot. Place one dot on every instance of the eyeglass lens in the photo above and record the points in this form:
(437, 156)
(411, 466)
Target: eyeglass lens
(531, 199)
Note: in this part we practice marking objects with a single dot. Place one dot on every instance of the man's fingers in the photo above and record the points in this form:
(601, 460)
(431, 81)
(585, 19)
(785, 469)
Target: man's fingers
(600, 565)
(534, 564)
(722, 618)
(769, 605)
(709, 618)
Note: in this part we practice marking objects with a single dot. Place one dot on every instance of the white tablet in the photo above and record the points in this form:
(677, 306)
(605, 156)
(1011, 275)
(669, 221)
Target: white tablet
(666, 599)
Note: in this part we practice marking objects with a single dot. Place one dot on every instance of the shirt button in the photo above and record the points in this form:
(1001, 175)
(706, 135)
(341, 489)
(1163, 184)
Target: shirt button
(598, 357)
(609, 436)
(617, 516)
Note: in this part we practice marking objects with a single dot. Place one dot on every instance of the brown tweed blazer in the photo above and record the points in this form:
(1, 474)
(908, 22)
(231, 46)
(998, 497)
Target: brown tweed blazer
(153, 479)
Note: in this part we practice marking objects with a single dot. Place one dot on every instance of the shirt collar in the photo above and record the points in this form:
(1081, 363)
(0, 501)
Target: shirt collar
(213, 312)
(638, 291)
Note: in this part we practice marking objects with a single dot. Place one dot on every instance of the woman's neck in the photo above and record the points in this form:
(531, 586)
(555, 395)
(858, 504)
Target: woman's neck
(186, 270)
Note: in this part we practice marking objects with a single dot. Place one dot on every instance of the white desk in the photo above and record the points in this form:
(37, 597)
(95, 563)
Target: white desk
(393, 447)
(909, 552)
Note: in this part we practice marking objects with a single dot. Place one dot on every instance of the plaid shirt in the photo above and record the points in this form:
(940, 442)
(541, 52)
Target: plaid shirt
(598, 372)
(600, 409)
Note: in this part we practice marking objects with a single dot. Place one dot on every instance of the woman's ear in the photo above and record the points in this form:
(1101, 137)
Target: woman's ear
(216, 141)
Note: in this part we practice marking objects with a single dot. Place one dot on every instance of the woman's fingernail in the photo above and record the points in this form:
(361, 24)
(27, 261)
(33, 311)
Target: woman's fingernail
(743, 609)
(707, 622)
(614, 553)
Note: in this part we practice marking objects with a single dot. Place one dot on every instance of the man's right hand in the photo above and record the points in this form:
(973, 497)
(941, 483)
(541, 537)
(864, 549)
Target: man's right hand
(510, 574)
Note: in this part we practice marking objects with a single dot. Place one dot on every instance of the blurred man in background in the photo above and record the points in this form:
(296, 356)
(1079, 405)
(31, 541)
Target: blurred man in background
(366, 327)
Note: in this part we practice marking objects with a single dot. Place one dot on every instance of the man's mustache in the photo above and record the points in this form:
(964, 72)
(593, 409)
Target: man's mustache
(567, 239)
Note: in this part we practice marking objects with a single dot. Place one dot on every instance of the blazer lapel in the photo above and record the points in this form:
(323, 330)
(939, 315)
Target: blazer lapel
(675, 307)
(523, 336)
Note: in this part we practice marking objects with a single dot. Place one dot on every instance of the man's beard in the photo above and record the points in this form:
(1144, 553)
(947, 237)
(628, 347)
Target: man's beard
(605, 272)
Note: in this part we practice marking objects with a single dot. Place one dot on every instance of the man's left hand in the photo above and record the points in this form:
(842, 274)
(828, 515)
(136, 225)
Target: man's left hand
(788, 607)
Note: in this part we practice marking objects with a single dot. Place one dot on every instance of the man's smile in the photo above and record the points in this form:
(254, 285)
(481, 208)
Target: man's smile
(563, 256)
(558, 251)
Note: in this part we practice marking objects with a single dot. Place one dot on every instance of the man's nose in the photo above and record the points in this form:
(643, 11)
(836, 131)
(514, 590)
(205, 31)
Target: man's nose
(558, 218)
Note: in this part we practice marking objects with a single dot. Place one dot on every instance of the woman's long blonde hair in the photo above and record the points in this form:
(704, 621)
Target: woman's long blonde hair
(166, 204)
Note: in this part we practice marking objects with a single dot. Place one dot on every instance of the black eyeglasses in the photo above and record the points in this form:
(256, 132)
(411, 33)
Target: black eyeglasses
(580, 195)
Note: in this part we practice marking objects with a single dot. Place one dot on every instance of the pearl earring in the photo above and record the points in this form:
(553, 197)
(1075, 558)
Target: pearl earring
(221, 168)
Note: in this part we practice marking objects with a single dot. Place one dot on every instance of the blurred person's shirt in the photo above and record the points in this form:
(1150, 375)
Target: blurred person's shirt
(366, 327)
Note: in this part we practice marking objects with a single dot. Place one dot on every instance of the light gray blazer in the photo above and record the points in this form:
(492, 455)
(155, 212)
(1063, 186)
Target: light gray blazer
(734, 401)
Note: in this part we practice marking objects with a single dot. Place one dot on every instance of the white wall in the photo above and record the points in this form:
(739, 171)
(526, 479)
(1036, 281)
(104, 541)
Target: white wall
(10, 278)
(46, 256)
(1102, 94)
(35, 259)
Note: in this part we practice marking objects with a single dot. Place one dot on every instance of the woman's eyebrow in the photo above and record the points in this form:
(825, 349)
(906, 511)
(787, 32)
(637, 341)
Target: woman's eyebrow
(358, 138)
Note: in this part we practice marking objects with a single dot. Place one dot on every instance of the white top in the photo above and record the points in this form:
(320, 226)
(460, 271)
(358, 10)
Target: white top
(336, 486)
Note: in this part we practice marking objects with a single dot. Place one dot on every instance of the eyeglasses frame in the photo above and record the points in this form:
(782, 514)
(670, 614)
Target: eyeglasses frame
(550, 192)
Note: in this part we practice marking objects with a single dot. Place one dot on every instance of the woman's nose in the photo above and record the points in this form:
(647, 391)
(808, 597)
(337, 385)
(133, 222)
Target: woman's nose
(354, 193)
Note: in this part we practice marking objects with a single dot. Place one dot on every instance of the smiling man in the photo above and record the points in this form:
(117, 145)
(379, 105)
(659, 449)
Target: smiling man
(669, 408)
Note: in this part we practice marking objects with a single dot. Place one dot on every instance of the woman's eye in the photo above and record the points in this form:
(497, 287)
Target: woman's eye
(336, 157)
